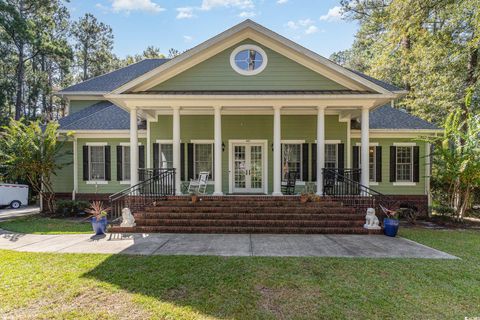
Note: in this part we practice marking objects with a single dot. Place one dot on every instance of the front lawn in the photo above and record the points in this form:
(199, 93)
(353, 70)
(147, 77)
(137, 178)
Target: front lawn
(43, 225)
(90, 286)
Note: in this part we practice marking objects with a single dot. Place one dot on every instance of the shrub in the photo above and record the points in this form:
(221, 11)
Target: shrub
(70, 207)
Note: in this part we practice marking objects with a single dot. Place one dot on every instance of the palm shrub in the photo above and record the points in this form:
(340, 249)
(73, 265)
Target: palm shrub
(32, 152)
(457, 161)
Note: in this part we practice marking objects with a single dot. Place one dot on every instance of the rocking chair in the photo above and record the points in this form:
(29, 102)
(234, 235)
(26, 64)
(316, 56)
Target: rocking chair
(200, 185)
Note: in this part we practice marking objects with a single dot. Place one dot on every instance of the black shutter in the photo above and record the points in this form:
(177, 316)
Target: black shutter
(356, 163)
(356, 157)
(393, 163)
(108, 175)
(190, 161)
(341, 156)
(85, 164)
(305, 162)
(182, 161)
(416, 164)
(314, 162)
(141, 157)
(156, 154)
(378, 159)
(119, 163)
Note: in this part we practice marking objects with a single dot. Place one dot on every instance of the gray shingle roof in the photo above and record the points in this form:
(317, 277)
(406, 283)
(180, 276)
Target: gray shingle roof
(386, 117)
(115, 79)
(383, 84)
(107, 116)
(100, 116)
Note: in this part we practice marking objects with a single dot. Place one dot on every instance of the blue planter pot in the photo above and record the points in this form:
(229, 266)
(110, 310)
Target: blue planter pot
(99, 226)
(390, 227)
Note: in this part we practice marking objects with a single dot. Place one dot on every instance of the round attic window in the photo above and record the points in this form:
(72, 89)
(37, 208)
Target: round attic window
(248, 60)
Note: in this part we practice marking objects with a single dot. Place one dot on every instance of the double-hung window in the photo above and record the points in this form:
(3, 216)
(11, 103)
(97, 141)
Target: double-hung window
(404, 164)
(372, 163)
(165, 155)
(202, 158)
(96, 157)
(331, 156)
(291, 159)
(126, 163)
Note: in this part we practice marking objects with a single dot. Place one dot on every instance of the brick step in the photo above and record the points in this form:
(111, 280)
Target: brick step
(202, 209)
(248, 223)
(235, 198)
(248, 216)
(188, 203)
(278, 230)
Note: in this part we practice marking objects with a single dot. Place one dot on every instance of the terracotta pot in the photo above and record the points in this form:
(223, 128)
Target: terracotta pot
(303, 199)
(194, 198)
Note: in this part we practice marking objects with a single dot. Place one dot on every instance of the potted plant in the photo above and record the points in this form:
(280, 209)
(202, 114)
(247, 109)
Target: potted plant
(99, 217)
(390, 223)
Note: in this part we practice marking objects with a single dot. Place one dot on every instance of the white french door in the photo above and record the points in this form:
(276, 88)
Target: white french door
(248, 170)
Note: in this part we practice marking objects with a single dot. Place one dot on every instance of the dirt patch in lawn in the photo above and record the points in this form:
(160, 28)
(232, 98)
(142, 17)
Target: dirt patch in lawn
(94, 303)
(288, 303)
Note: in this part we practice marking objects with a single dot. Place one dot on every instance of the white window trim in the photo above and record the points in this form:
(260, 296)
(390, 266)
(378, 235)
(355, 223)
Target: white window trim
(210, 142)
(248, 72)
(125, 182)
(404, 144)
(164, 141)
(336, 151)
(331, 141)
(300, 142)
(160, 143)
(404, 182)
(371, 144)
(96, 144)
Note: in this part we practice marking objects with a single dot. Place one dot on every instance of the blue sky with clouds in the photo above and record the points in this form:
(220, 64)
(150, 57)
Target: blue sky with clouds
(182, 24)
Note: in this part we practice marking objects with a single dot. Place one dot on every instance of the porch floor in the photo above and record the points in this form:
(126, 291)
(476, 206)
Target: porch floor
(376, 246)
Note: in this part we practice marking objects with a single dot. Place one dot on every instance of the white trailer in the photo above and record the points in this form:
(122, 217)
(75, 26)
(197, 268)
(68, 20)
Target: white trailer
(13, 195)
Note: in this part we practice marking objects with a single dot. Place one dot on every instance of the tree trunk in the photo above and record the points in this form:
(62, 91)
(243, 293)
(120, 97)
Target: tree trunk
(20, 77)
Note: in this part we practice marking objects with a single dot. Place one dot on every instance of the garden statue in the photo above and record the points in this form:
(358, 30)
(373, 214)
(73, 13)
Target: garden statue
(371, 220)
(127, 218)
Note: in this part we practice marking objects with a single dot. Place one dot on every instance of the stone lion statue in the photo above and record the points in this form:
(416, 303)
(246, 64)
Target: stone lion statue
(127, 218)
(371, 220)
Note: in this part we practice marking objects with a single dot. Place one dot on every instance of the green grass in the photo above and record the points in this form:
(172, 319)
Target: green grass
(89, 286)
(42, 225)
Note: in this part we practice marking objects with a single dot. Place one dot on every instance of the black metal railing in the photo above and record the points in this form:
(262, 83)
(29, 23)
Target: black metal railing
(344, 185)
(155, 183)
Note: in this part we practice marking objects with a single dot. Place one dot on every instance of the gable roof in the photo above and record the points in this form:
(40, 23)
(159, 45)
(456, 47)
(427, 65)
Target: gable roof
(103, 115)
(112, 80)
(386, 117)
(134, 75)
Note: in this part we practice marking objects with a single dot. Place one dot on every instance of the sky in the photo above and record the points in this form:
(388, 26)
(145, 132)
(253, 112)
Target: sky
(183, 24)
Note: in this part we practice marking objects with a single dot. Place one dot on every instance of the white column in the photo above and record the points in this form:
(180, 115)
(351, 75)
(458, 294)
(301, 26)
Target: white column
(365, 141)
(277, 156)
(320, 148)
(75, 168)
(176, 148)
(218, 150)
(133, 147)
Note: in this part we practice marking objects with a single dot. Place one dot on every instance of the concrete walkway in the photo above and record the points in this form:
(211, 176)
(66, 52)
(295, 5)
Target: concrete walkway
(265, 245)
(7, 214)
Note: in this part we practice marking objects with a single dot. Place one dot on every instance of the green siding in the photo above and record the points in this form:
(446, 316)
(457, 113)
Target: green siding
(63, 180)
(216, 73)
(113, 185)
(386, 186)
(240, 127)
(77, 105)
